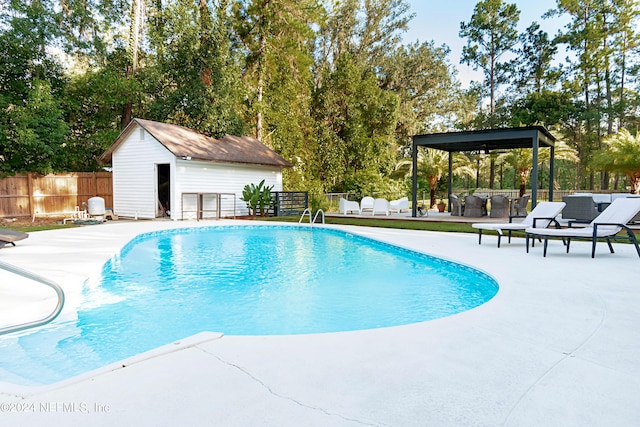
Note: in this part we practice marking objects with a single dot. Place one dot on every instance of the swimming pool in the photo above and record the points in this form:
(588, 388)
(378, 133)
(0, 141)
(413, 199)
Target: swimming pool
(240, 280)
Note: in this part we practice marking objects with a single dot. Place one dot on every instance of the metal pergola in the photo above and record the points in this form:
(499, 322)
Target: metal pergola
(485, 141)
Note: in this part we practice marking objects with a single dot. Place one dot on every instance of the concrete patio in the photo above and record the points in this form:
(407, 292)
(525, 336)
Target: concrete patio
(557, 346)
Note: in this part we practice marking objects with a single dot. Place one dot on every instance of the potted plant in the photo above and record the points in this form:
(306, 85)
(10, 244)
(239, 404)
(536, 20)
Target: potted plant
(441, 205)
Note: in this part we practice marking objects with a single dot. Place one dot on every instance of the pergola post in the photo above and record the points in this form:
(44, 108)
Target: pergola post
(534, 171)
(551, 172)
(450, 180)
(414, 178)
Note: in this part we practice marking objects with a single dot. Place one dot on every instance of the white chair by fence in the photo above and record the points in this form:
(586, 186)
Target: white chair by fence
(347, 206)
(380, 206)
(366, 204)
(399, 205)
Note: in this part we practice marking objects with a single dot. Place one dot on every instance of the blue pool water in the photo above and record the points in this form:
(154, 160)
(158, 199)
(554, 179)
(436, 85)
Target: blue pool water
(245, 280)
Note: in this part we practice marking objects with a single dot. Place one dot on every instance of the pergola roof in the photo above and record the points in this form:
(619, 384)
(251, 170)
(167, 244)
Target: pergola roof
(486, 141)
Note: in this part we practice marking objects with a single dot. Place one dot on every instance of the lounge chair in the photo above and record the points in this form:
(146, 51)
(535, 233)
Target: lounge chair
(366, 204)
(380, 206)
(347, 206)
(399, 205)
(11, 236)
(606, 225)
(542, 216)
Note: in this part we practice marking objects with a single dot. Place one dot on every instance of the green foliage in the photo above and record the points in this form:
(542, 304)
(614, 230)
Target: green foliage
(32, 134)
(257, 197)
(490, 33)
(197, 73)
(328, 85)
(534, 72)
(354, 135)
(432, 166)
(621, 153)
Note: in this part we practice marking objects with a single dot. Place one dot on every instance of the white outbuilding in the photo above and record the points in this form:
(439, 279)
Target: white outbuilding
(165, 170)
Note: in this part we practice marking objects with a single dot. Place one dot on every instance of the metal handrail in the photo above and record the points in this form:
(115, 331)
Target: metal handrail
(318, 213)
(306, 211)
(29, 275)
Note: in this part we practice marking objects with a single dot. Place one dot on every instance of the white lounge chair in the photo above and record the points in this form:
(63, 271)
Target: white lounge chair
(347, 206)
(366, 204)
(380, 206)
(399, 205)
(541, 216)
(606, 225)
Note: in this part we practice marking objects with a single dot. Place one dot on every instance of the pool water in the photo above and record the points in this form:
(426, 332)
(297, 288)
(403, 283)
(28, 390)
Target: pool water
(240, 280)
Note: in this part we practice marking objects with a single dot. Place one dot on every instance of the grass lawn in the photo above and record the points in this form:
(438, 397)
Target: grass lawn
(390, 223)
(452, 227)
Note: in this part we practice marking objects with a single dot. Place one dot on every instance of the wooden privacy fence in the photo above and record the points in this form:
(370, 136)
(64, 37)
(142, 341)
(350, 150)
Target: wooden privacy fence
(32, 195)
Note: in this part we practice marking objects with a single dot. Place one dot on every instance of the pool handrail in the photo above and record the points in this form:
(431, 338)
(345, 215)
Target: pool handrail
(29, 275)
(307, 211)
(320, 211)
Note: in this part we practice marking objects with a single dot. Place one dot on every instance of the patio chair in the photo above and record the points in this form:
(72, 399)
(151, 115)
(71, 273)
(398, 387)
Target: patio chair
(606, 225)
(366, 204)
(474, 206)
(457, 208)
(11, 236)
(543, 215)
(580, 208)
(399, 205)
(519, 205)
(380, 206)
(499, 206)
(347, 206)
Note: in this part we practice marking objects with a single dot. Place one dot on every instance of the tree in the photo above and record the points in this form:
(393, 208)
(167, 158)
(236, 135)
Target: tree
(424, 80)
(432, 165)
(621, 154)
(602, 35)
(33, 134)
(491, 33)
(32, 129)
(521, 159)
(275, 34)
(196, 80)
(533, 70)
(356, 120)
(366, 30)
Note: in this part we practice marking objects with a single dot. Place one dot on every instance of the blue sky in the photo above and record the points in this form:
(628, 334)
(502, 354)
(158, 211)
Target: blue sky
(439, 20)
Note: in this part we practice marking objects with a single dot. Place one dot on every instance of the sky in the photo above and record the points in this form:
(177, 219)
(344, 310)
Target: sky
(439, 20)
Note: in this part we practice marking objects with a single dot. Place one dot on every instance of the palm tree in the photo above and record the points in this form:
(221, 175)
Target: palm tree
(521, 159)
(432, 165)
(621, 154)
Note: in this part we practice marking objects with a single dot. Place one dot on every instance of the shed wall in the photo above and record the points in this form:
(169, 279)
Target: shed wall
(209, 177)
(134, 174)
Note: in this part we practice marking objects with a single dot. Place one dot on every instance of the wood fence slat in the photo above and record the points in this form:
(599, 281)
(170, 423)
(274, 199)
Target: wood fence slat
(52, 195)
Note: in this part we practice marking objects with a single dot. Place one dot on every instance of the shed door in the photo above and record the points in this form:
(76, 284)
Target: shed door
(163, 173)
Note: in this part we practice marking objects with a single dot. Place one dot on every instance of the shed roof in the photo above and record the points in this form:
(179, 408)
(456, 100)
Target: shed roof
(183, 142)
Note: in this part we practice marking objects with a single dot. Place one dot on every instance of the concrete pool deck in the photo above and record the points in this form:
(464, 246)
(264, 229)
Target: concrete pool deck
(559, 345)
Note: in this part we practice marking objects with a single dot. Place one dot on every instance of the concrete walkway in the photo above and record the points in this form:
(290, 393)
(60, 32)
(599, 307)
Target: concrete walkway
(557, 346)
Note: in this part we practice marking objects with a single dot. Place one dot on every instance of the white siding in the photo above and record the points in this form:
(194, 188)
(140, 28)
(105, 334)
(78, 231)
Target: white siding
(207, 177)
(135, 181)
(134, 174)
